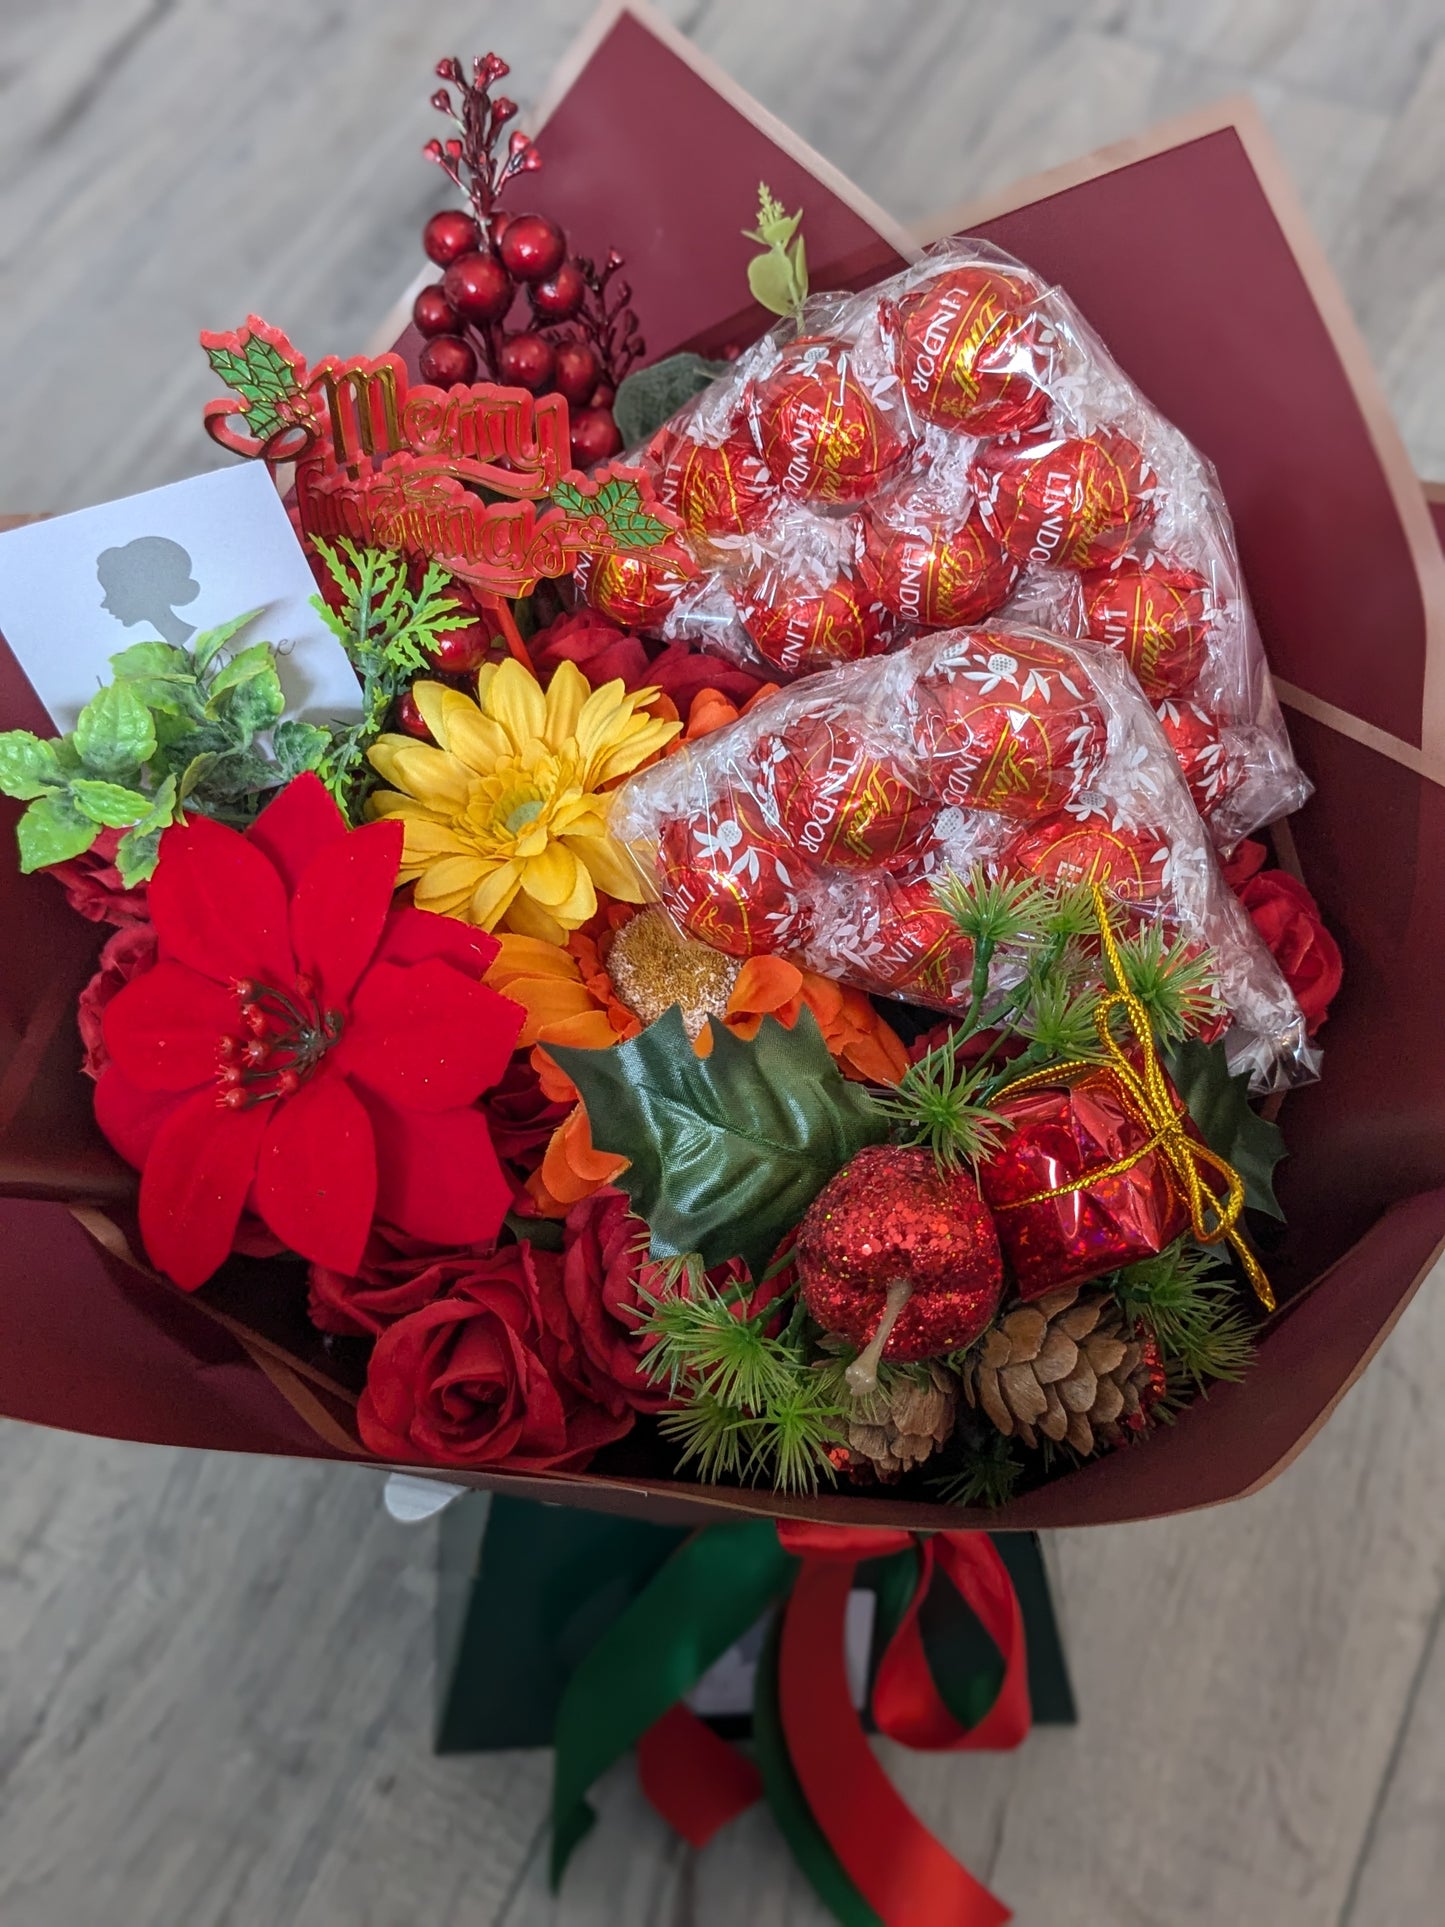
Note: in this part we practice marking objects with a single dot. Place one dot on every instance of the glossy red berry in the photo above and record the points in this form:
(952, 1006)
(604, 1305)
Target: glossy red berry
(532, 247)
(527, 361)
(595, 436)
(409, 719)
(446, 361)
(461, 650)
(433, 313)
(478, 287)
(498, 221)
(448, 234)
(604, 395)
(559, 298)
(575, 375)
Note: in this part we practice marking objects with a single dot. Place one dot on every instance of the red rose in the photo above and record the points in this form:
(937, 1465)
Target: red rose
(92, 884)
(475, 1379)
(600, 649)
(1248, 857)
(1288, 918)
(680, 672)
(397, 1275)
(131, 950)
(521, 1116)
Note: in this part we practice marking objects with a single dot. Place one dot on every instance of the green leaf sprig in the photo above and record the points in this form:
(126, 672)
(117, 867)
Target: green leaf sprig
(1188, 1299)
(779, 276)
(179, 729)
(387, 629)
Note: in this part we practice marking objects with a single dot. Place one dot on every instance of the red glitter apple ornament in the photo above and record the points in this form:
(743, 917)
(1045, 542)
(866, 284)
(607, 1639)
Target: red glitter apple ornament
(900, 1257)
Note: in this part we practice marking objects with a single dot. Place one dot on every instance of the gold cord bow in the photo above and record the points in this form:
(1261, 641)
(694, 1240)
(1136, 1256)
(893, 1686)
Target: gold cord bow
(1147, 1094)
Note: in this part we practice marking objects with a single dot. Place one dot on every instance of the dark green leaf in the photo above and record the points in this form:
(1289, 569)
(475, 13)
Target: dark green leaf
(727, 1151)
(240, 773)
(29, 765)
(114, 732)
(109, 804)
(51, 831)
(650, 396)
(1228, 1122)
(255, 705)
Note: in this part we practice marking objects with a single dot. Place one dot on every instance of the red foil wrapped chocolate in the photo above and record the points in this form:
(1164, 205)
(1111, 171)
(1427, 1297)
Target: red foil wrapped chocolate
(1201, 753)
(945, 577)
(837, 801)
(1130, 862)
(730, 882)
(1158, 615)
(1056, 1138)
(799, 628)
(899, 941)
(971, 354)
(631, 589)
(1007, 723)
(721, 491)
(1071, 504)
(822, 437)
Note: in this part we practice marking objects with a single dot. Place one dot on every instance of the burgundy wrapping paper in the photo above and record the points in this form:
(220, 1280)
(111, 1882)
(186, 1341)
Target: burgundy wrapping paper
(1215, 300)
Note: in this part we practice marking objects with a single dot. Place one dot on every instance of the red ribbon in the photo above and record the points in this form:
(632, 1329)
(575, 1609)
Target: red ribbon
(906, 1876)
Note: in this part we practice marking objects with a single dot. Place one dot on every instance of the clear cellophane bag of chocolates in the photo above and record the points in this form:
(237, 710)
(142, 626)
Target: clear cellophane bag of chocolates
(951, 445)
(821, 822)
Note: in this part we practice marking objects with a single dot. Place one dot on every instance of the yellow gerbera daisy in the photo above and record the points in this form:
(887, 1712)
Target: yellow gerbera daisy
(506, 818)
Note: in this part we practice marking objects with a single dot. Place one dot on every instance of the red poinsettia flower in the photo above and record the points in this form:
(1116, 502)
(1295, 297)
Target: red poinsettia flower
(303, 1048)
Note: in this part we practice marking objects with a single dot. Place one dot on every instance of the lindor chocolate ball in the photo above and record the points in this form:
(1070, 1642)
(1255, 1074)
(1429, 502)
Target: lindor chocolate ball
(719, 491)
(1073, 504)
(1200, 750)
(1130, 863)
(900, 1257)
(1006, 722)
(822, 438)
(971, 353)
(896, 934)
(798, 629)
(835, 800)
(731, 881)
(632, 589)
(943, 577)
(1158, 616)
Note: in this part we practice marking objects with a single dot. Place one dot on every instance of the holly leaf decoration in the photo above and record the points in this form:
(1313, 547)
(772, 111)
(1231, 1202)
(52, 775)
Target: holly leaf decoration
(619, 504)
(1219, 1103)
(648, 397)
(725, 1152)
(266, 380)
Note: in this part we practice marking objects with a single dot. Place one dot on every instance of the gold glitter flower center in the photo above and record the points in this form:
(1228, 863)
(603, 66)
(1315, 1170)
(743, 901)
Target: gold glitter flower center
(653, 966)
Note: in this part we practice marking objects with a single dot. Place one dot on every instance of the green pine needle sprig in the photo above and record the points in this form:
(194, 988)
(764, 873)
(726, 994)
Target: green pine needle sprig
(1187, 1297)
(988, 1476)
(990, 911)
(705, 1343)
(710, 1434)
(1173, 982)
(1059, 1019)
(934, 1104)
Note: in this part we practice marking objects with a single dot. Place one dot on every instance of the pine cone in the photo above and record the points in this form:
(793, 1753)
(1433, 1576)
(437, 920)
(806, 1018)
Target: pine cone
(1067, 1366)
(904, 1422)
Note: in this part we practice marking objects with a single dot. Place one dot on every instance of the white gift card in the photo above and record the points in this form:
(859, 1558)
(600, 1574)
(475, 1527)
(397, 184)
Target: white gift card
(76, 590)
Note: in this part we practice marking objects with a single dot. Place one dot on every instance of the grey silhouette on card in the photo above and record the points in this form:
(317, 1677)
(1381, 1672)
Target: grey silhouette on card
(144, 580)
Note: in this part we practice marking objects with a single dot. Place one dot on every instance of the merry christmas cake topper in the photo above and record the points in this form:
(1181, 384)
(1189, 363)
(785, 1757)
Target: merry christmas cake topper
(400, 466)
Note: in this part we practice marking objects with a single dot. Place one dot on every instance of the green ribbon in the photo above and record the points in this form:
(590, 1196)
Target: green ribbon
(806, 1840)
(714, 1587)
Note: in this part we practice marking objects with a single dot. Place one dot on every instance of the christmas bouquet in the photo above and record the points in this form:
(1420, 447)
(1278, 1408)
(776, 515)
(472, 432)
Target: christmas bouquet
(758, 995)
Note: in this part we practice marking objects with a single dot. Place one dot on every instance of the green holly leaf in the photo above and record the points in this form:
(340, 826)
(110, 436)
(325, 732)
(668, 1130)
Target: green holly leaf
(726, 1152)
(298, 747)
(261, 375)
(114, 733)
(628, 523)
(111, 805)
(648, 397)
(568, 496)
(53, 830)
(1229, 1124)
(29, 765)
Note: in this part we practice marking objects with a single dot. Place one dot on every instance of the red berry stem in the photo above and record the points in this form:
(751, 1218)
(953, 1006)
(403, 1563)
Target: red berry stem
(472, 163)
(608, 324)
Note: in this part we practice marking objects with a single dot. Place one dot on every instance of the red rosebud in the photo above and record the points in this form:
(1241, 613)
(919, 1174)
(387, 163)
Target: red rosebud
(93, 886)
(129, 952)
(1286, 915)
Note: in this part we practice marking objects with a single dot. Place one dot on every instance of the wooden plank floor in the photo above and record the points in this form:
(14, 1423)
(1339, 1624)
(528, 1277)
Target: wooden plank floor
(214, 1672)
